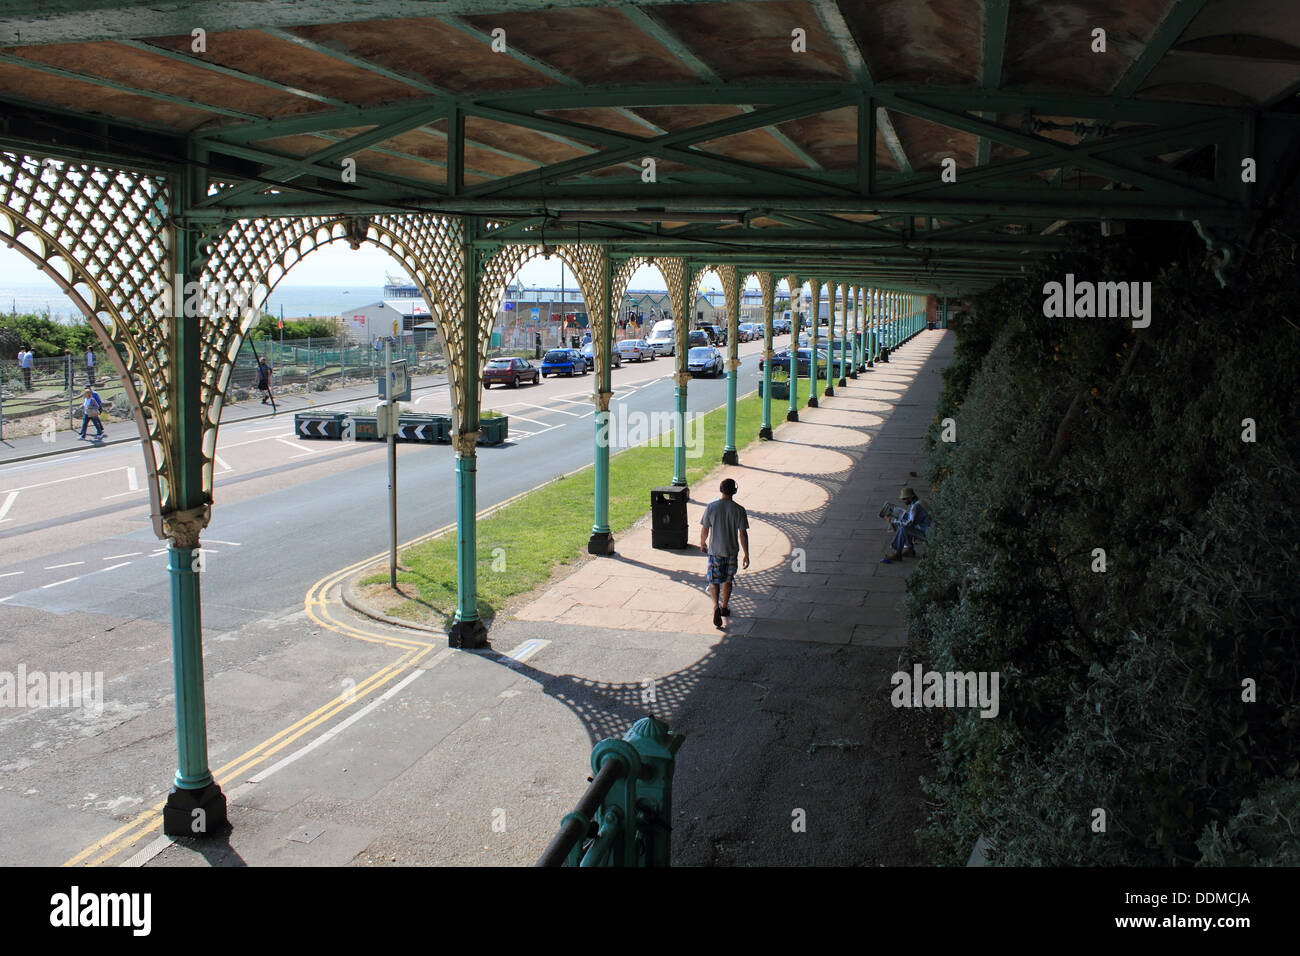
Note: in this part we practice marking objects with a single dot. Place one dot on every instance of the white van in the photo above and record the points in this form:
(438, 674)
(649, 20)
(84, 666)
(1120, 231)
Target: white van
(661, 338)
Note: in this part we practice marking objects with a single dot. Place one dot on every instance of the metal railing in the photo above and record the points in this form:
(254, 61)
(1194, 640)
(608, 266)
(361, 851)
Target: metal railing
(624, 818)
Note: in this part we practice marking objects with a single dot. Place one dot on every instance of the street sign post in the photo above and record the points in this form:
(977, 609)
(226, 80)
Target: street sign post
(399, 390)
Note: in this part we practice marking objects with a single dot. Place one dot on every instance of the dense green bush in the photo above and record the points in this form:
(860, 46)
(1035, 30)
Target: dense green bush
(46, 337)
(1123, 689)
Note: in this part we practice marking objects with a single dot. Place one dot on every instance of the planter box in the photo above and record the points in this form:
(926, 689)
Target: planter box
(425, 429)
(319, 425)
(780, 390)
(493, 431)
(365, 427)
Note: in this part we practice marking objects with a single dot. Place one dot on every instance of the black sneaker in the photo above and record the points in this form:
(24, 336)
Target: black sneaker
(717, 616)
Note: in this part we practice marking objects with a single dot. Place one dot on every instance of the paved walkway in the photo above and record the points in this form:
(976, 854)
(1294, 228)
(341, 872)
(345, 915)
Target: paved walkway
(813, 497)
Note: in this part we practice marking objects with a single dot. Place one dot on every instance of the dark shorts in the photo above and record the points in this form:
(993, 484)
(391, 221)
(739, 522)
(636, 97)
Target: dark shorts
(722, 568)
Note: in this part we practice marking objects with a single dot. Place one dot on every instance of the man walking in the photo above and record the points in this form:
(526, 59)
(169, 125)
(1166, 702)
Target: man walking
(264, 379)
(90, 366)
(90, 409)
(729, 526)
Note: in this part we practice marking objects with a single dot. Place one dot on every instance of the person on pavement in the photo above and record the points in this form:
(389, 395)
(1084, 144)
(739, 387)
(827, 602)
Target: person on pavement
(91, 406)
(264, 379)
(90, 366)
(728, 525)
(909, 526)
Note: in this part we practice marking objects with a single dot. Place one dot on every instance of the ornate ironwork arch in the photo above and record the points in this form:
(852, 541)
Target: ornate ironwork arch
(101, 234)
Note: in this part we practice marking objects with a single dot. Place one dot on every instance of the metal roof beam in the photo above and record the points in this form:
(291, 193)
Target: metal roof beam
(996, 15)
(1167, 32)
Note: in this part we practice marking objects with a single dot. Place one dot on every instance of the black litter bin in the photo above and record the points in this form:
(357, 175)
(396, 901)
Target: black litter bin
(669, 529)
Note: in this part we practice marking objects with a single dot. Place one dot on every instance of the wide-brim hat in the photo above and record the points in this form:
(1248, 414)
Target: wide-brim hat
(907, 492)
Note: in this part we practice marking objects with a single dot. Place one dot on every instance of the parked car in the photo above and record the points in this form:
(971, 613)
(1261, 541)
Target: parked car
(563, 361)
(697, 337)
(749, 331)
(719, 334)
(704, 360)
(510, 371)
(662, 339)
(589, 353)
(781, 359)
(635, 350)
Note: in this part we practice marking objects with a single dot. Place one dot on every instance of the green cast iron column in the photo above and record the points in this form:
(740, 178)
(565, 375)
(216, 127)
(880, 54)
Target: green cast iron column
(814, 321)
(830, 344)
(844, 337)
(601, 542)
(732, 280)
(857, 331)
(467, 630)
(195, 805)
(767, 285)
(796, 295)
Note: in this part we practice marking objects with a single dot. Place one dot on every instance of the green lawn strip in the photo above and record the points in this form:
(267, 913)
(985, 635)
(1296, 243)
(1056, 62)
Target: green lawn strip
(521, 545)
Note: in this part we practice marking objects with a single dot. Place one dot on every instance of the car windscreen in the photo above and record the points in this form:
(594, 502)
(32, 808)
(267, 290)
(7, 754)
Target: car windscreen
(556, 355)
(700, 354)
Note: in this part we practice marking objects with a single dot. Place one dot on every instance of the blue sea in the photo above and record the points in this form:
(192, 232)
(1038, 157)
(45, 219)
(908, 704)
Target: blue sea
(298, 302)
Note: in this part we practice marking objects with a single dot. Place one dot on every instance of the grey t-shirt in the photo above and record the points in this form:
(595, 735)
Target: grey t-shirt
(724, 519)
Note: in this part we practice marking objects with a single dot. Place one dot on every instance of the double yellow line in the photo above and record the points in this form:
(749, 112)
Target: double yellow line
(320, 607)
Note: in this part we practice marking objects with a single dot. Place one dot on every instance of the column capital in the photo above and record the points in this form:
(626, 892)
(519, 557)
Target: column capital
(183, 527)
(465, 443)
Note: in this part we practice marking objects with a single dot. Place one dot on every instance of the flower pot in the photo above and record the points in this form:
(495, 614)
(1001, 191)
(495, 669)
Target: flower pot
(493, 431)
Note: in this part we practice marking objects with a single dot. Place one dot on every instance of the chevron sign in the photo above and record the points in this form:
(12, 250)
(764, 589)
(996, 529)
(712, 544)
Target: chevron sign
(416, 432)
(316, 428)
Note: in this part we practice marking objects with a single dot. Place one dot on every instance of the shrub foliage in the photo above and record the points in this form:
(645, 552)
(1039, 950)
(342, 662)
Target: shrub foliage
(1121, 689)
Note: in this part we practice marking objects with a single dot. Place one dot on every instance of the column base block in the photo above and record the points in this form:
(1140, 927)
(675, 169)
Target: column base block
(731, 457)
(195, 813)
(853, 374)
(792, 416)
(600, 543)
(467, 635)
(844, 381)
(765, 433)
(812, 402)
(830, 391)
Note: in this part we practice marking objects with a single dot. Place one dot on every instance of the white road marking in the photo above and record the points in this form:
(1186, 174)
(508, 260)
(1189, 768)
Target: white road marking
(131, 481)
(120, 494)
(111, 567)
(222, 462)
(233, 544)
(64, 581)
(335, 731)
(70, 564)
(305, 451)
(9, 503)
(129, 554)
(544, 408)
(57, 481)
(10, 574)
(525, 650)
(61, 460)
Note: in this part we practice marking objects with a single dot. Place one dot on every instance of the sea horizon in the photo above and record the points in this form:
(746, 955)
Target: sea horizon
(297, 302)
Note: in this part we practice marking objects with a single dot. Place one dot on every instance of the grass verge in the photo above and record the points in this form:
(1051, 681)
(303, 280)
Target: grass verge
(521, 545)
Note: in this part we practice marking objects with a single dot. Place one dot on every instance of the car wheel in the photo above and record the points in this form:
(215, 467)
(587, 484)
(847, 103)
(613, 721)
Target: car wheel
(514, 382)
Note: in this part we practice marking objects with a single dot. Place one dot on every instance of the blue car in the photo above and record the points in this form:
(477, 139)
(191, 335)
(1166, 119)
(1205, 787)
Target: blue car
(563, 362)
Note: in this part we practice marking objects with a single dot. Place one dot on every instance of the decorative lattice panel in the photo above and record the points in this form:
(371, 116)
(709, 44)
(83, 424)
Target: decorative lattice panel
(248, 260)
(767, 286)
(101, 234)
(677, 276)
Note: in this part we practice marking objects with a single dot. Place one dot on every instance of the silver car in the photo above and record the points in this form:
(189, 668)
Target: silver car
(635, 350)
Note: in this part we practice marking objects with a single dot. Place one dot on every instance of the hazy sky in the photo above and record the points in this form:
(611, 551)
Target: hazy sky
(338, 265)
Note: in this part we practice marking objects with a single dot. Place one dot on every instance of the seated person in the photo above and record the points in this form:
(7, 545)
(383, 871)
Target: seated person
(911, 523)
